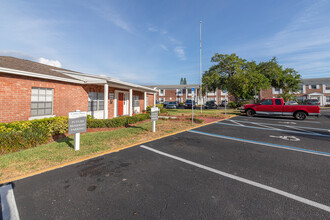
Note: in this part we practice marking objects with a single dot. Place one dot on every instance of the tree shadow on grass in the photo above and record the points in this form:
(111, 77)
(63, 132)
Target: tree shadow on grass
(66, 140)
(134, 126)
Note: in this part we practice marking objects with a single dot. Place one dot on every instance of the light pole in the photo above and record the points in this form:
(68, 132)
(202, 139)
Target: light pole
(200, 64)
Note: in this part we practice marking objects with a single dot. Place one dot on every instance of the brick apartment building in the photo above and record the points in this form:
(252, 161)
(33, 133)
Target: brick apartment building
(315, 88)
(181, 93)
(30, 90)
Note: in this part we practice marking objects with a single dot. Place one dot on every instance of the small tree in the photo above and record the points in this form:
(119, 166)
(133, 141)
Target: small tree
(181, 81)
(184, 81)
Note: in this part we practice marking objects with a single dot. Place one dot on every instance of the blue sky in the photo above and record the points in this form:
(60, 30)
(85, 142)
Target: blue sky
(157, 42)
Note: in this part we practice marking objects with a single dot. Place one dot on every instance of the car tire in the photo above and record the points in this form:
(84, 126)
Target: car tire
(250, 113)
(300, 115)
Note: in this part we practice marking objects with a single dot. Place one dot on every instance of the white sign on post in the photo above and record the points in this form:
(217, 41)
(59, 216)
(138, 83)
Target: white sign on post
(77, 124)
(154, 117)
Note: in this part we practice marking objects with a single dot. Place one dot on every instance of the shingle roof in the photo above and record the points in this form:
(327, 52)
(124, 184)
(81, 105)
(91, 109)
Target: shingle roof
(316, 81)
(189, 86)
(31, 66)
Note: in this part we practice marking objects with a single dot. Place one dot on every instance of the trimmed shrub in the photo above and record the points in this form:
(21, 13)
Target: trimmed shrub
(232, 104)
(19, 135)
(16, 140)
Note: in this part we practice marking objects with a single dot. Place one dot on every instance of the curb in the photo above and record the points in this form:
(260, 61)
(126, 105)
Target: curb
(101, 154)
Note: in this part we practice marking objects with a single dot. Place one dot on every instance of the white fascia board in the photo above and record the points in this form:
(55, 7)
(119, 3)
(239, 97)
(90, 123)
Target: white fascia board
(38, 75)
(87, 79)
(108, 79)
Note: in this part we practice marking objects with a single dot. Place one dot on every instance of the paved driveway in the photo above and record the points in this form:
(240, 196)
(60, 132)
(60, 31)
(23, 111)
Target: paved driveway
(242, 168)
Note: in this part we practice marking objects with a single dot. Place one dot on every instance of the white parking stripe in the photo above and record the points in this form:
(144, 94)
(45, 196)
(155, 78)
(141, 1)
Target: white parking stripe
(8, 204)
(243, 180)
(266, 126)
(303, 150)
(265, 118)
(293, 126)
(236, 122)
(291, 131)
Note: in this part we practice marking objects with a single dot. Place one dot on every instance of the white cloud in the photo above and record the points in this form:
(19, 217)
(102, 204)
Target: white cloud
(164, 47)
(303, 44)
(112, 16)
(179, 52)
(55, 63)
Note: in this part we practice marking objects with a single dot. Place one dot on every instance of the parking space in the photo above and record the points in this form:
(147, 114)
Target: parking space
(241, 168)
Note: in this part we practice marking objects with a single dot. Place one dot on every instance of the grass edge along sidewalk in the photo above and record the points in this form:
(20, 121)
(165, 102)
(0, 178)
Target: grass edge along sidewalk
(98, 154)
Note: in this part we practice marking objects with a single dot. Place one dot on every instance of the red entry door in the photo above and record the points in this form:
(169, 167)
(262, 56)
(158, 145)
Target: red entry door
(120, 104)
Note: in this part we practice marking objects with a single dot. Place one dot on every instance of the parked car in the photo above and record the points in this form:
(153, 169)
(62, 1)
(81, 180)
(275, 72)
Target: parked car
(312, 102)
(276, 107)
(171, 105)
(224, 102)
(165, 104)
(291, 103)
(188, 104)
(210, 105)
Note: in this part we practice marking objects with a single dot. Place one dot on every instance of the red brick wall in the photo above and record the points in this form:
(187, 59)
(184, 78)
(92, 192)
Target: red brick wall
(308, 90)
(15, 97)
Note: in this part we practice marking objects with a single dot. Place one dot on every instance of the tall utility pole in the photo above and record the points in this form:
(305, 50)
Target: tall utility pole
(200, 64)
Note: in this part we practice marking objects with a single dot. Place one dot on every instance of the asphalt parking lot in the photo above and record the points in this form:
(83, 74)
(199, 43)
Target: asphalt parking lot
(241, 168)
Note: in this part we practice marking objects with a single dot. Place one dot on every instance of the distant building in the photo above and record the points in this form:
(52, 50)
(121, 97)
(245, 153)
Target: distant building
(315, 88)
(181, 93)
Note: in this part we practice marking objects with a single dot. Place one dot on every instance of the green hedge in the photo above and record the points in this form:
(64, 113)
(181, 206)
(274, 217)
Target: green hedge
(116, 122)
(19, 135)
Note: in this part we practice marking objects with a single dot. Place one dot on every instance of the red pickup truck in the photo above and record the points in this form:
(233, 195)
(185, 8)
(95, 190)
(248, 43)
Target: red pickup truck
(276, 106)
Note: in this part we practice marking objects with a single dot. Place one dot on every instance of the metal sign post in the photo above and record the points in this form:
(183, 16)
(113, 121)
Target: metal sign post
(77, 124)
(226, 102)
(154, 117)
(192, 104)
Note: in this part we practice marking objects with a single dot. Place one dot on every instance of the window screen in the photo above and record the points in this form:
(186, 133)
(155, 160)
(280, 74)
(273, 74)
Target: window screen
(95, 101)
(136, 101)
(41, 101)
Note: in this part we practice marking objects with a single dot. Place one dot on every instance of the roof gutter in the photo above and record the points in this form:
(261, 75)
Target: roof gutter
(37, 75)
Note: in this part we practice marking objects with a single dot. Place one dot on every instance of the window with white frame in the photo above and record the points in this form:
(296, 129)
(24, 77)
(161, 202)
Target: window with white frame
(147, 100)
(211, 93)
(95, 101)
(312, 86)
(327, 98)
(162, 92)
(189, 91)
(179, 100)
(136, 101)
(161, 100)
(179, 92)
(327, 87)
(42, 101)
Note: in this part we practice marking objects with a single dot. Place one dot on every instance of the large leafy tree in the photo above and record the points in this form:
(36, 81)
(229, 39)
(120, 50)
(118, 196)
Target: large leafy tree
(286, 79)
(240, 77)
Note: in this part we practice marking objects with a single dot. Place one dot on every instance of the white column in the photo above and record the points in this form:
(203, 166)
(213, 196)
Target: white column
(216, 96)
(130, 102)
(154, 99)
(145, 100)
(106, 93)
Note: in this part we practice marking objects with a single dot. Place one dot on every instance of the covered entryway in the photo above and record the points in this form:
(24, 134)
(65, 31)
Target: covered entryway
(122, 101)
(318, 96)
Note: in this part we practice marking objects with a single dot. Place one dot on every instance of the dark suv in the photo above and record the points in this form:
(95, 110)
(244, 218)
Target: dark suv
(188, 102)
(210, 104)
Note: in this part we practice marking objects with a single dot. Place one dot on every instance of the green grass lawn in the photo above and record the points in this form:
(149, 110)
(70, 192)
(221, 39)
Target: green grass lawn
(216, 113)
(44, 156)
